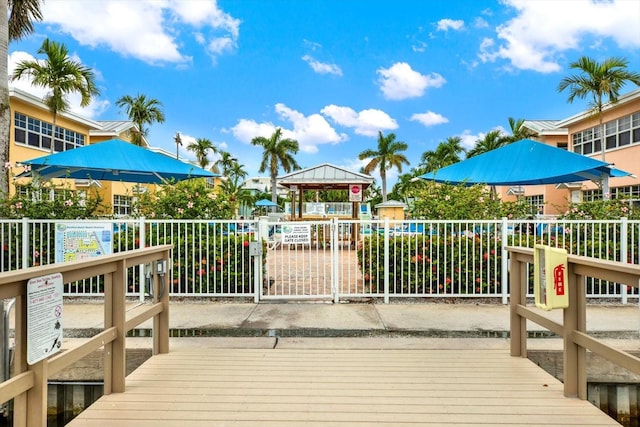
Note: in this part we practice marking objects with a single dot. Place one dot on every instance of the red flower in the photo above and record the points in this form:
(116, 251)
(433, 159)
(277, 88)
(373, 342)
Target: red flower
(447, 280)
(245, 243)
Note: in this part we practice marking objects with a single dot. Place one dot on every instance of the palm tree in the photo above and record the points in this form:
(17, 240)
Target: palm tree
(406, 186)
(201, 148)
(236, 173)
(519, 131)
(387, 156)
(446, 153)
(224, 163)
(598, 80)
(141, 111)
(21, 15)
(62, 76)
(278, 152)
(232, 185)
(492, 140)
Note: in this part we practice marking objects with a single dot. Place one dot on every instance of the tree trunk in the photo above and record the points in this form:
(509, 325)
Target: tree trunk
(5, 110)
(383, 178)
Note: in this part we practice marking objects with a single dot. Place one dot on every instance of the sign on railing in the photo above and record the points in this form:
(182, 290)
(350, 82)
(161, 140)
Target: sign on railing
(550, 277)
(44, 317)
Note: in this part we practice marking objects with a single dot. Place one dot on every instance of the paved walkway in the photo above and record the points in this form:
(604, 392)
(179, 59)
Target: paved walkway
(366, 324)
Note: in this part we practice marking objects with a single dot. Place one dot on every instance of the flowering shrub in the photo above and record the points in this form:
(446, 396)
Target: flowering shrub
(190, 199)
(207, 258)
(38, 202)
(459, 202)
(451, 264)
(601, 209)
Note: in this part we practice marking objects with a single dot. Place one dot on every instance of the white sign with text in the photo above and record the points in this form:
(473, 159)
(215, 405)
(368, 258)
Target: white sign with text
(296, 234)
(44, 317)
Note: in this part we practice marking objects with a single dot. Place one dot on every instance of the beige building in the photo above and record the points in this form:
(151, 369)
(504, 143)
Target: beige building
(581, 134)
(31, 136)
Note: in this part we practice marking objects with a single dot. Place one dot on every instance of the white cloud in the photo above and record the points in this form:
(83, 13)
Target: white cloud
(449, 24)
(145, 29)
(310, 131)
(245, 130)
(480, 22)
(540, 32)
(366, 122)
(468, 139)
(322, 68)
(95, 108)
(429, 118)
(419, 46)
(401, 82)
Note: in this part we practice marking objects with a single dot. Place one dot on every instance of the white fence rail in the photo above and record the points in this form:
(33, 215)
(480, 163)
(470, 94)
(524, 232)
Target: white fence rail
(340, 259)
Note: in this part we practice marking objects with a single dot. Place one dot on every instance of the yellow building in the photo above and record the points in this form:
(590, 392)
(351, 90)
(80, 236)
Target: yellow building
(31, 137)
(581, 134)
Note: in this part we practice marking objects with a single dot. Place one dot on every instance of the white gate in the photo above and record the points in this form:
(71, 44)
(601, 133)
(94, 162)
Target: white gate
(307, 259)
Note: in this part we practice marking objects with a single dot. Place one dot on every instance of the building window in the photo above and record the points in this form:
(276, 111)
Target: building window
(629, 192)
(536, 202)
(36, 133)
(122, 205)
(617, 133)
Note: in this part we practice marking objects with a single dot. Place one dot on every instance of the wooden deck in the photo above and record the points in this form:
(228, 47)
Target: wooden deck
(303, 387)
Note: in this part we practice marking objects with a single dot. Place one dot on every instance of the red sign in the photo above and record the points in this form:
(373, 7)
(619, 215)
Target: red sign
(355, 193)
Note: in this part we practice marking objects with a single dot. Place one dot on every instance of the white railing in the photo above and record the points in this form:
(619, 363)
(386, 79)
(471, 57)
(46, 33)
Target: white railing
(345, 259)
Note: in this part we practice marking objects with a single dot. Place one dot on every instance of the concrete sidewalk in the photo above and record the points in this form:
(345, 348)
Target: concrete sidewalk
(429, 325)
(354, 318)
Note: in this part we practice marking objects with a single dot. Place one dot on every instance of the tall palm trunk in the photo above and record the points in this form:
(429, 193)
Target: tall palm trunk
(5, 111)
(55, 127)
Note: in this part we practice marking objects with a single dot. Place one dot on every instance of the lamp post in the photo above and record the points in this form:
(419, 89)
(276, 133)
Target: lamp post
(178, 141)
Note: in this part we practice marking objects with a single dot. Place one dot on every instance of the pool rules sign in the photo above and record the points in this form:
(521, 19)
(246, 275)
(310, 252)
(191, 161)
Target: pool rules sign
(44, 317)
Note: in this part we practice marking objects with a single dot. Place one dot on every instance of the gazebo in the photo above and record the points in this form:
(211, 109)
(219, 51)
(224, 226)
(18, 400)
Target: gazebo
(322, 178)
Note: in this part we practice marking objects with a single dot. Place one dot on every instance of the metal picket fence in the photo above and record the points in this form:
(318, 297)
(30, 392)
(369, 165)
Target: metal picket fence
(340, 259)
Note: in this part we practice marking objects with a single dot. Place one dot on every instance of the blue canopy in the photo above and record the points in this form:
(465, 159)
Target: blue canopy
(265, 202)
(524, 162)
(114, 160)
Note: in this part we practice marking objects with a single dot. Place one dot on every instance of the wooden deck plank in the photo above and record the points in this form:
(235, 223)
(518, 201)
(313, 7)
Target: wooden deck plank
(280, 387)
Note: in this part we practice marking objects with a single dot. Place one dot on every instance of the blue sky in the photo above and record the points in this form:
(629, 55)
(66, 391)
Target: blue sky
(332, 73)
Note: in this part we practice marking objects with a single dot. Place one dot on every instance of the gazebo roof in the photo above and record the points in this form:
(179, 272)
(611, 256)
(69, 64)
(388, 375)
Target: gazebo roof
(324, 176)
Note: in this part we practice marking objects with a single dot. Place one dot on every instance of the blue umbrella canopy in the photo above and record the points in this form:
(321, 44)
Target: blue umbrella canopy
(524, 162)
(265, 202)
(114, 160)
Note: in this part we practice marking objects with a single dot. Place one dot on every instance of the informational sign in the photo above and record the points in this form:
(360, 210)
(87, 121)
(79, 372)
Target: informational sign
(296, 234)
(76, 241)
(314, 208)
(355, 192)
(44, 317)
(550, 277)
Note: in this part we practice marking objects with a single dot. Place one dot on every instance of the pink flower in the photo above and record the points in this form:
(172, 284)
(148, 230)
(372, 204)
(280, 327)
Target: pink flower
(18, 205)
(68, 202)
(190, 205)
(27, 168)
(8, 165)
